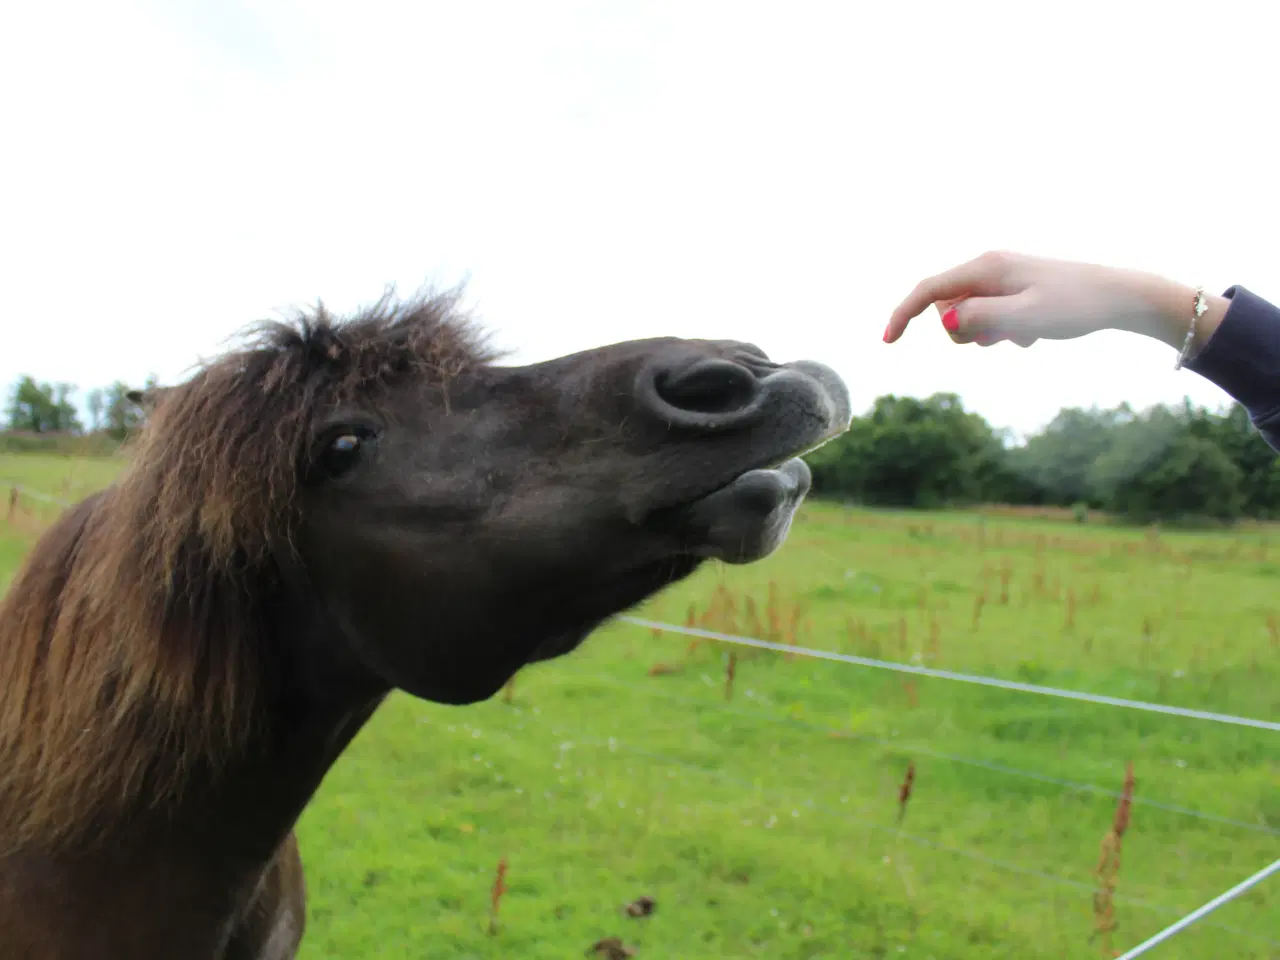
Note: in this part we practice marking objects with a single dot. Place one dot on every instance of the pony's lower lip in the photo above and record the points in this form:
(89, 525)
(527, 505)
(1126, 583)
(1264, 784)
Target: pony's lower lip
(749, 518)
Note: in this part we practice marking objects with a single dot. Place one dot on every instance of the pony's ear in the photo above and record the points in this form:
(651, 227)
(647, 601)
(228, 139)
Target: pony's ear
(146, 400)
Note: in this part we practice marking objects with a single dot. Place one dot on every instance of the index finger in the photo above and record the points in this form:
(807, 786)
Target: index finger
(982, 276)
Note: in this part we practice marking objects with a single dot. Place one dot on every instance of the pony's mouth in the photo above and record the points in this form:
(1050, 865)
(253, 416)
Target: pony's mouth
(748, 517)
(739, 522)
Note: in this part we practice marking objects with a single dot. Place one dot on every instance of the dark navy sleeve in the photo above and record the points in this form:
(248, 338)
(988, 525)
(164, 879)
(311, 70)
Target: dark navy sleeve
(1243, 358)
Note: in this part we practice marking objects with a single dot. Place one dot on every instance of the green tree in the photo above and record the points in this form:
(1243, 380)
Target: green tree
(1059, 460)
(1164, 465)
(911, 452)
(1193, 479)
(42, 407)
(1236, 436)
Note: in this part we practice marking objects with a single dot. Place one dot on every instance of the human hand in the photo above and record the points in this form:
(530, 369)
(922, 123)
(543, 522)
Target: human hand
(1010, 296)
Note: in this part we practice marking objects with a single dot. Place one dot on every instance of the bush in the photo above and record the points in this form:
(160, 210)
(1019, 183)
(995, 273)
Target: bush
(59, 444)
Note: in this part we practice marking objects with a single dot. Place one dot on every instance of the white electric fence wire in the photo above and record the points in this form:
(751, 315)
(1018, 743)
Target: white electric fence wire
(1208, 908)
(951, 675)
(759, 714)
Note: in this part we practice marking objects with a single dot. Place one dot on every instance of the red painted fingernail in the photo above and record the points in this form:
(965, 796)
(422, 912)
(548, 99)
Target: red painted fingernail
(886, 334)
(950, 322)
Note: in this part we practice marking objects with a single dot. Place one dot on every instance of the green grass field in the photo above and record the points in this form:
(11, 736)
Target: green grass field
(766, 825)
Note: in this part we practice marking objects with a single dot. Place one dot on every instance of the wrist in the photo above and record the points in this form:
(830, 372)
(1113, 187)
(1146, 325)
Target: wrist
(1164, 310)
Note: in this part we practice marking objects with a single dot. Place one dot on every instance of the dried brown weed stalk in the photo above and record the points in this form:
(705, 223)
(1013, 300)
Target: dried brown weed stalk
(904, 791)
(1108, 868)
(495, 896)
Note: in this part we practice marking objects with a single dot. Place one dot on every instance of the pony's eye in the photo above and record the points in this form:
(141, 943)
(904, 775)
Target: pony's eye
(342, 453)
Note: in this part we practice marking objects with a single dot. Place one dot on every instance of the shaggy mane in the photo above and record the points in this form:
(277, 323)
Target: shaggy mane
(133, 642)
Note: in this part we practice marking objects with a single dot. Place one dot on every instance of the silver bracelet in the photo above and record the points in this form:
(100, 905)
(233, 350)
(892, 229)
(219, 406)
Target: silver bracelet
(1197, 312)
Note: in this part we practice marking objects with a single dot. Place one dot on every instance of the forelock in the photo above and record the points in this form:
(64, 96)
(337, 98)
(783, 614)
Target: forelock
(219, 455)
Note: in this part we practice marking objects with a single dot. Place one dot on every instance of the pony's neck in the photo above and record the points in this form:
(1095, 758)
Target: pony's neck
(317, 701)
(180, 877)
(260, 799)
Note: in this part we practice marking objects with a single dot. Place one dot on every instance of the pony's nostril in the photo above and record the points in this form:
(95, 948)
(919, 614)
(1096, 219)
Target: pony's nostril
(707, 386)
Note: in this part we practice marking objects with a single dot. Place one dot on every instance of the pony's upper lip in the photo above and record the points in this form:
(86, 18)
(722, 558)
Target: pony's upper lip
(769, 463)
(663, 514)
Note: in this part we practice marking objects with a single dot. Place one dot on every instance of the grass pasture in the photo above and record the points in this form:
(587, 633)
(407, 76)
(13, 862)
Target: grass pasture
(764, 819)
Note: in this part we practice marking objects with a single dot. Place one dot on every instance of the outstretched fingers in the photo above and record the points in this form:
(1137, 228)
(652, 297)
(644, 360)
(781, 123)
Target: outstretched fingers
(987, 275)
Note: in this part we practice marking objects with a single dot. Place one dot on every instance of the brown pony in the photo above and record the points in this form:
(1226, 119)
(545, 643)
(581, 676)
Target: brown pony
(334, 511)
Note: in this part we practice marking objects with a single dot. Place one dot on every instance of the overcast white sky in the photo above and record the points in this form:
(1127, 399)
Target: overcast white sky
(782, 173)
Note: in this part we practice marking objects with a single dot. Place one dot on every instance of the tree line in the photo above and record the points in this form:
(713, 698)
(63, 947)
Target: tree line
(1164, 463)
(36, 408)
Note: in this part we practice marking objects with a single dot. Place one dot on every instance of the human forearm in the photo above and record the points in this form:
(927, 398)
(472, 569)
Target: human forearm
(1003, 296)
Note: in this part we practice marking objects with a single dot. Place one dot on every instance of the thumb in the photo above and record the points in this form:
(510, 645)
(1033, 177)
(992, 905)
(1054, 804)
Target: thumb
(988, 319)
